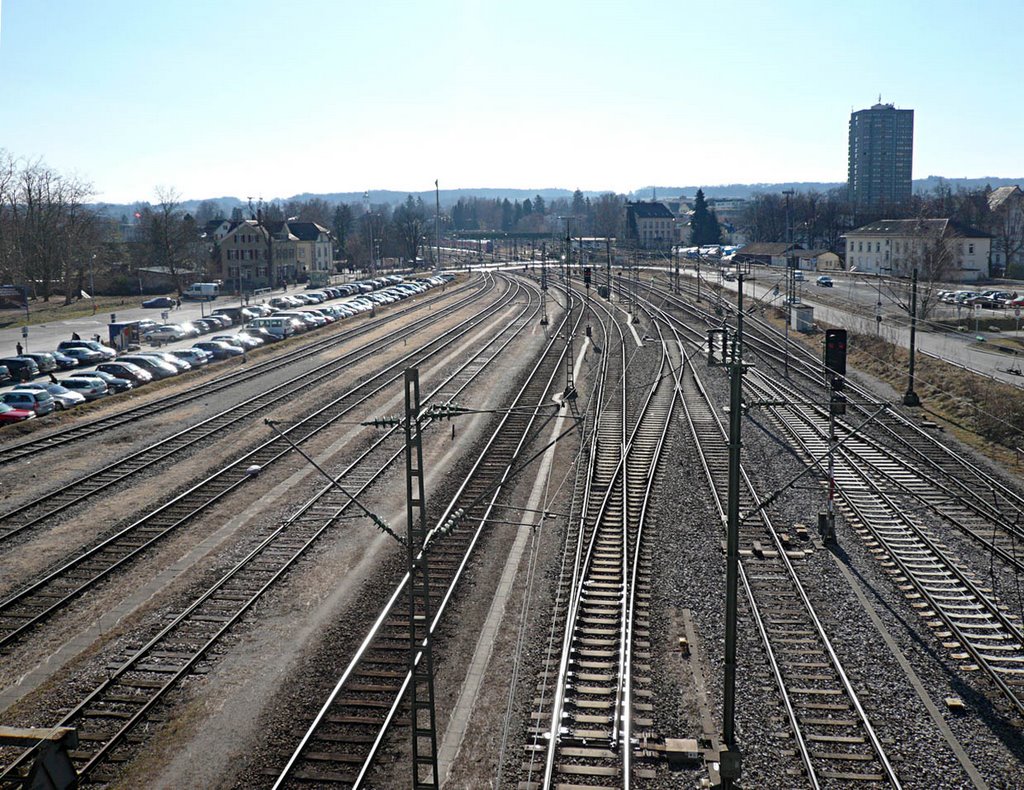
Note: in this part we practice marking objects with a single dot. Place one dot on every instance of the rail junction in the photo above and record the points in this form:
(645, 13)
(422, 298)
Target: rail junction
(480, 539)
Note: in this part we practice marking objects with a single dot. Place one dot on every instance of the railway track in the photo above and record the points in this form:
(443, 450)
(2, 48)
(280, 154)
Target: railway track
(14, 451)
(594, 691)
(964, 494)
(883, 499)
(109, 718)
(834, 738)
(43, 509)
(35, 603)
(341, 745)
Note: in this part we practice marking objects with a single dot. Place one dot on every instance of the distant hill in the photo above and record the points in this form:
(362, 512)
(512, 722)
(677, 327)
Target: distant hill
(920, 186)
(451, 196)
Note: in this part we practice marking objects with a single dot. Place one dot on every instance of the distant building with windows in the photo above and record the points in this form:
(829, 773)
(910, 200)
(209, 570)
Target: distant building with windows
(939, 248)
(650, 225)
(881, 156)
(253, 254)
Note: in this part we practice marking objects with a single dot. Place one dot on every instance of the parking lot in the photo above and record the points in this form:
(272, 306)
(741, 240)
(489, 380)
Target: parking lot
(85, 359)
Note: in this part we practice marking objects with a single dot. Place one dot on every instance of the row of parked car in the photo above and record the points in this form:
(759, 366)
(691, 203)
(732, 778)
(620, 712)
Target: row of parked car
(113, 373)
(992, 299)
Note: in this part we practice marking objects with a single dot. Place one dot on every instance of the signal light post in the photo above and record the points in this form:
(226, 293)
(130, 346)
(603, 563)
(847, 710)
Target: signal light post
(732, 358)
(835, 373)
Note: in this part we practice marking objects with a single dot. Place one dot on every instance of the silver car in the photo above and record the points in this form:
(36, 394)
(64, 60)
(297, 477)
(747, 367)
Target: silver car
(63, 398)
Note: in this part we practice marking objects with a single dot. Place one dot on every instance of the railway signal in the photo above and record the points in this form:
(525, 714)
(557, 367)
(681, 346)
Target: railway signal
(835, 357)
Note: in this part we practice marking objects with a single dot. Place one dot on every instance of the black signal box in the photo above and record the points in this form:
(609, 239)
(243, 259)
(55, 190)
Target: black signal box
(835, 357)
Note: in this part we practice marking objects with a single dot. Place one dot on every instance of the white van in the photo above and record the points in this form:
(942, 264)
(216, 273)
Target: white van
(201, 291)
(275, 325)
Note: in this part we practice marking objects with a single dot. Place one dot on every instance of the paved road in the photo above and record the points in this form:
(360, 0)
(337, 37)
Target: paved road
(857, 313)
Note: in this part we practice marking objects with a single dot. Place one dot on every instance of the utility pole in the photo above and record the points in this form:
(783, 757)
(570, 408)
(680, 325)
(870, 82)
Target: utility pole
(421, 686)
(732, 358)
(544, 285)
(790, 277)
(570, 385)
(608, 251)
(437, 225)
(910, 398)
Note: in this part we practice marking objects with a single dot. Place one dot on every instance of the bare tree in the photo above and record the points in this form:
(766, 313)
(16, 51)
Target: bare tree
(609, 215)
(166, 240)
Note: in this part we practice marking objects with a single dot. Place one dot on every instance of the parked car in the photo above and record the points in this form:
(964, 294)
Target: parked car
(20, 368)
(82, 355)
(195, 357)
(163, 302)
(241, 340)
(995, 300)
(169, 358)
(166, 333)
(126, 370)
(231, 340)
(105, 351)
(824, 281)
(89, 386)
(262, 334)
(63, 398)
(44, 361)
(114, 383)
(219, 349)
(223, 321)
(64, 362)
(205, 325)
(11, 414)
(39, 401)
(155, 366)
(5, 374)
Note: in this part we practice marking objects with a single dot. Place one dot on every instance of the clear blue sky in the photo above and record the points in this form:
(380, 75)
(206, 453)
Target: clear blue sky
(273, 98)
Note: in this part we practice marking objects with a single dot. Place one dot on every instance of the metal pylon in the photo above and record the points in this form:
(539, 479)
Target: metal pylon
(570, 385)
(421, 687)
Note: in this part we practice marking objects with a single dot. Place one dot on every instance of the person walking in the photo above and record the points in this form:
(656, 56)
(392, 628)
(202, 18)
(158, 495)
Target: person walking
(19, 349)
(75, 336)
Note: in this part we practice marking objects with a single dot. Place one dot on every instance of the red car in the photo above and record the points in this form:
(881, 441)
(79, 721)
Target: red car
(9, 414)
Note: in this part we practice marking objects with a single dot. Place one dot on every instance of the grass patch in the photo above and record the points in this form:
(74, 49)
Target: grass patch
(40, 312)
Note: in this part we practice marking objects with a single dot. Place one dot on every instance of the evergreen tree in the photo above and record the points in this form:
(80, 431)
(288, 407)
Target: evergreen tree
(704, 227)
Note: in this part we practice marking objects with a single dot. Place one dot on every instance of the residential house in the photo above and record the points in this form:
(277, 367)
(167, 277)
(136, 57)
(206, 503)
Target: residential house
(939, 248)
(650, 225)
(1007, 226)
(312, 243)
(256, 254)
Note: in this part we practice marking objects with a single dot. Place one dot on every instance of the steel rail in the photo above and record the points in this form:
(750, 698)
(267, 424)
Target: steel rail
(633, 455)
(479, 469)
(862, 468)
(492, 348)
(187, 438)
(313, 423)
(585, 553)
(14, 451)
(762, 515)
